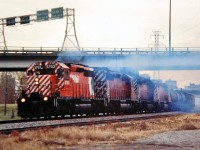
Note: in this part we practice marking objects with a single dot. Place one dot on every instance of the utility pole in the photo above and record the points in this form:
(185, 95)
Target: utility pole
(6, 94)
(70, 39)
(170, 25)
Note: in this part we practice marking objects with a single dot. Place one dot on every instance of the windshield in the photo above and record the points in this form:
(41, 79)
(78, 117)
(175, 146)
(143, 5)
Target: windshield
(45, 71)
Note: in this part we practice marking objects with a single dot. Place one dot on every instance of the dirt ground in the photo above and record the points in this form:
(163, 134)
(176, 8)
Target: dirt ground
(184, 140)
(172, 140)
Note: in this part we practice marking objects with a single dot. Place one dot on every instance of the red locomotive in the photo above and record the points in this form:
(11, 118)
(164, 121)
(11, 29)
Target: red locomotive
(161, 96)
(55, 88)
(59, 89)
(146, 93)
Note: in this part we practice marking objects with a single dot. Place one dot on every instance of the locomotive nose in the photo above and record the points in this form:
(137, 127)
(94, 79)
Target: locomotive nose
(44, 83)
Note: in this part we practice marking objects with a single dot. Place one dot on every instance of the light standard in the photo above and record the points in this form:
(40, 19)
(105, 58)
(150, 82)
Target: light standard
(6, 94)
(170, 26)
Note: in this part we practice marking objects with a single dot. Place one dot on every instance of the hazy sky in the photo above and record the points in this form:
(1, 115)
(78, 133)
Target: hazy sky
(109, 23)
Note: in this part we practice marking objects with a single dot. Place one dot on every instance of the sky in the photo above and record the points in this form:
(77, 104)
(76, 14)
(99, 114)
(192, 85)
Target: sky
(110, 23)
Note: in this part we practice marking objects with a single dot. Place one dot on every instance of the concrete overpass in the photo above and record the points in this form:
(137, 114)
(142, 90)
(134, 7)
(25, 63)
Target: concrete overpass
(137, 59)
(196, 92)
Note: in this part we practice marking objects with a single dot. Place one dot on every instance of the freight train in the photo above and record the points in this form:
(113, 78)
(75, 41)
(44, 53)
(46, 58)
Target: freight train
(59, 89)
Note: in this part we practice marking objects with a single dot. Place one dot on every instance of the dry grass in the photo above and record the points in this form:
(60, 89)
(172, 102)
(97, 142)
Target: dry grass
(111, 133)
(11, 112)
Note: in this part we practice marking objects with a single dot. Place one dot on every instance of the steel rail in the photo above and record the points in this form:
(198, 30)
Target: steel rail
(34, 125)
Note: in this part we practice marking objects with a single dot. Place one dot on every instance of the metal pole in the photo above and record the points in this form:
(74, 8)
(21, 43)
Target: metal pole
(6, 93)
(170, 26)
(75, 30)
(70, 32)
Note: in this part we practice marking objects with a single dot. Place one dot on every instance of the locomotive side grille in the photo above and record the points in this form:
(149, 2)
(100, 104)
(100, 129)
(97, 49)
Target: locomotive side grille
(100, 85)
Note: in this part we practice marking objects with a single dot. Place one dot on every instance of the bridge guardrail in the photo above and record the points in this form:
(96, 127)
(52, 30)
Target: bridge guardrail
(99, 51)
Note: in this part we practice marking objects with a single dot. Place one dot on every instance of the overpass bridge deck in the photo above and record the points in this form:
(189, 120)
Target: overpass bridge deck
(138, 58)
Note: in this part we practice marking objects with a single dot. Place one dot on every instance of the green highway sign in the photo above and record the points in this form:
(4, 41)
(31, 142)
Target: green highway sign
(24, 19)
(10, 21)
(57, 13)
(42, 15)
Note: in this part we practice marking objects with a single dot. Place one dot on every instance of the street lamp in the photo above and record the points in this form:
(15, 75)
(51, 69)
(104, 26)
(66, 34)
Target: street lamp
(170, 26)
(6, 94)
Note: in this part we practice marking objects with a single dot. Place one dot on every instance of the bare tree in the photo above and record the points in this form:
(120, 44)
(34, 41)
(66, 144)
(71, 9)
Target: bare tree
(8, 87)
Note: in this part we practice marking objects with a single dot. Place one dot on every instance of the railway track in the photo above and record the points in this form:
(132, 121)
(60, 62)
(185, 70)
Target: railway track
(7, 128)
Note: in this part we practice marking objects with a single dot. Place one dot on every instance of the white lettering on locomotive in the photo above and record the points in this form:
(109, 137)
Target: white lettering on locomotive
(50, 66)
(75, 78)
(38, 67)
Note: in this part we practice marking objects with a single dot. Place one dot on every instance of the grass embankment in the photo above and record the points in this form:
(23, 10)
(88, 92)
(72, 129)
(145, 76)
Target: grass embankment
(11, 112)
(111, 133)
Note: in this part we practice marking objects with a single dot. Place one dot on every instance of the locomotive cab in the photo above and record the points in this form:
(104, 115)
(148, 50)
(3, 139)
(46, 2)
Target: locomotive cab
(44, 81)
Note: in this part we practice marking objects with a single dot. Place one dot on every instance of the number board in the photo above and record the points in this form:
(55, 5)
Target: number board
(24, 19)
(10, 21)
(42, 15)
(57, 13)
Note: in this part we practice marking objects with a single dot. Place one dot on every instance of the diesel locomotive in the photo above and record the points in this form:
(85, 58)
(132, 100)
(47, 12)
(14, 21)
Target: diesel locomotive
(59, 89)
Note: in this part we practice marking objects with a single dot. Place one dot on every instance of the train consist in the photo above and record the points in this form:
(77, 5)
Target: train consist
(59, 89)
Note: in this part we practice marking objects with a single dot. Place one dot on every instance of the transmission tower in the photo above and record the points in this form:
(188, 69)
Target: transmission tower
(155, 35)
(3, 45)
(70, 39)
(155, 38)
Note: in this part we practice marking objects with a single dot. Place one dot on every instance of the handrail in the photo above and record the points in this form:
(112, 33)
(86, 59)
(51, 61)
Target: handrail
(93, 50)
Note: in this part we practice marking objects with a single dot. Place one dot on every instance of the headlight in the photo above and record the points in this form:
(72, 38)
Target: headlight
(36, 81)
(45, 98)
(23, 100)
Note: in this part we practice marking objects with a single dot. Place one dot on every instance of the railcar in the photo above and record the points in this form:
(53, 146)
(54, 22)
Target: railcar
(181, 100)
(114, 91)
(146, 94)
(174, 99)
(161, 97)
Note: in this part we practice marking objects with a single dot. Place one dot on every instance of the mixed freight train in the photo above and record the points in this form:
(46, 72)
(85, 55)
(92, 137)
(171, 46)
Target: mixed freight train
(59, 89)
